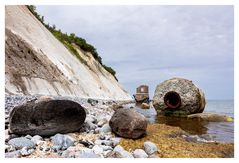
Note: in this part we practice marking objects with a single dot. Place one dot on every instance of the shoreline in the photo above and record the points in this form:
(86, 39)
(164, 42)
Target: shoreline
(171, 141)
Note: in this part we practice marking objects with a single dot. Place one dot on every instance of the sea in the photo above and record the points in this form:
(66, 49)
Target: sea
(210, 131)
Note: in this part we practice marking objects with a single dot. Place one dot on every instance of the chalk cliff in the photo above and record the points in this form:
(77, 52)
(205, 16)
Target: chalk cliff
(37, 63)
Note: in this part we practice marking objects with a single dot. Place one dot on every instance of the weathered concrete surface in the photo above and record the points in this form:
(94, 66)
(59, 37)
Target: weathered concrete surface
(191, 98)
(47, 118)
(128, 123)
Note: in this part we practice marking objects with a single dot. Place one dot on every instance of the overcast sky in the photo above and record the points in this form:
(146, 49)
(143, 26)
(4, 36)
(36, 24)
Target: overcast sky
(150, 44)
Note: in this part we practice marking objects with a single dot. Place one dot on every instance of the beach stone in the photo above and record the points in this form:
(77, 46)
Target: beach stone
(106, 148)
(28, 137)
(86, 153)
(9, 148)
(178, 97)
(26, 152)
(115, 141)
(61, 141)
(37, 139)
(47, 118)
(86, 143)
(108, 136)
(140, 153)
(19, 143)
(150, 148)
(102, 122)
(7, 136)
(91, 118)
(97, 130)
(106, 153)
(6, 123)
(44, 147)
(145, 105)
(92, 102)
(98, 142)
(210, 117)
(128, 123)
(103, 142)
(89, 125)
(14, 154)
(68, 154)
(119, 152)
(102, 137)
(97, 149)
(105, 128)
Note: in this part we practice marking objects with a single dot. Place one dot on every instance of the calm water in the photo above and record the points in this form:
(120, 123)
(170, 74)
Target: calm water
(218, 131)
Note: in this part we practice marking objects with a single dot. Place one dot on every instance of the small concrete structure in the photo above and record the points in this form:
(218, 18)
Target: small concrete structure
(142, 94)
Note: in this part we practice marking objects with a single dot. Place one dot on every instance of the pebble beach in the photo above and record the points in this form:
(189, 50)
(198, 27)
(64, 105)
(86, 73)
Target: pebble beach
(96, 139)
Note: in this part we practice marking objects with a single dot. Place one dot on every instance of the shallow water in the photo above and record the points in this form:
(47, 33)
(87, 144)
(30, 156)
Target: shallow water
(210, 131)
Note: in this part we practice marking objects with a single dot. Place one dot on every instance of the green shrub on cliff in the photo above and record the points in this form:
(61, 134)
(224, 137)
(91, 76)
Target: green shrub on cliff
(110, 70)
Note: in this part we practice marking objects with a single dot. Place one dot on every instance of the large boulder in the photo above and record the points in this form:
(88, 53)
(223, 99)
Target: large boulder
(47, 118)
(128, 123)
(178, 97)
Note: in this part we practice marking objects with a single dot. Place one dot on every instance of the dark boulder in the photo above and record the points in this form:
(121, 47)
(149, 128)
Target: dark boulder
(128, 123)
(47, 118)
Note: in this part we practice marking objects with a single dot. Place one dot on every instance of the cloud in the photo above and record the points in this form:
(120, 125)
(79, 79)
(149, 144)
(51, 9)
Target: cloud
(149, 44)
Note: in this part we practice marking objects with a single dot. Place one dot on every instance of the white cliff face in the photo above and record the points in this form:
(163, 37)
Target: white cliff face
(37, 63)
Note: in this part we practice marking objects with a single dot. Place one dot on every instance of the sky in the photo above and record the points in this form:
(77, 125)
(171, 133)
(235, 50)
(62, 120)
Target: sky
(150, 44)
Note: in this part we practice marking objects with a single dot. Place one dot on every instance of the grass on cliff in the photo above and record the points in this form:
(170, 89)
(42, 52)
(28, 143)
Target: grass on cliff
(69, 39)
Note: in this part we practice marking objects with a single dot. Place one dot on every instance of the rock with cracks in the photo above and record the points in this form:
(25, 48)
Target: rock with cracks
(47, 118)
(178, 97)
(128, 123)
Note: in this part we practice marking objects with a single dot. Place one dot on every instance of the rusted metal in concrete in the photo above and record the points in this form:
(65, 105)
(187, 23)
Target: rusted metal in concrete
(172, 100)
